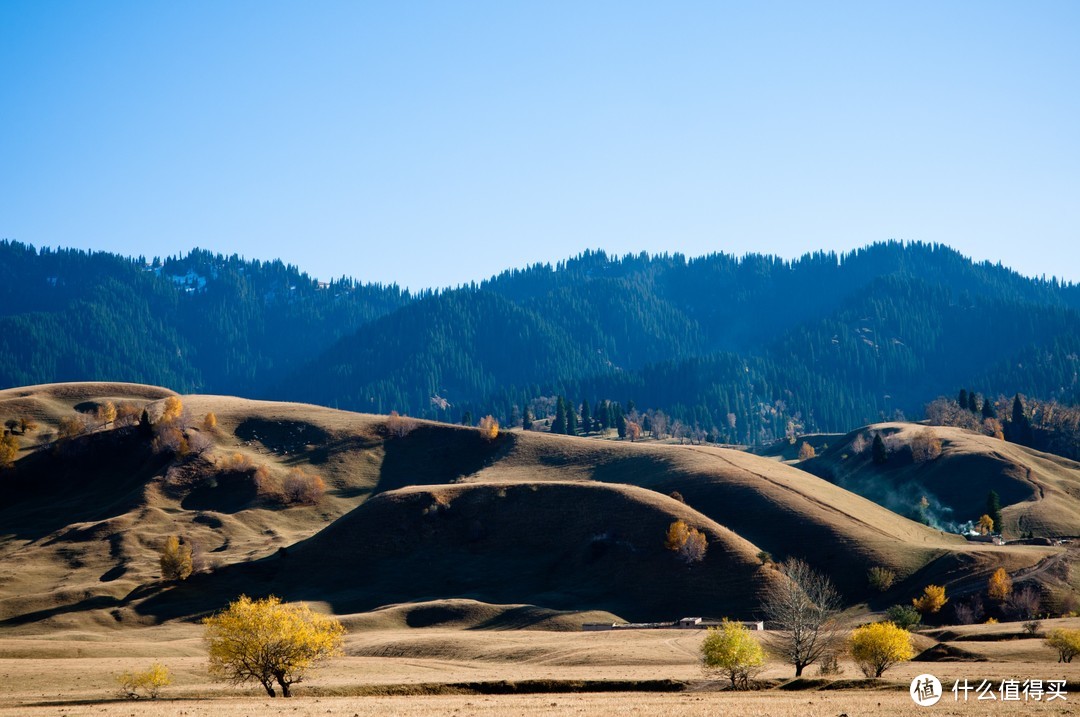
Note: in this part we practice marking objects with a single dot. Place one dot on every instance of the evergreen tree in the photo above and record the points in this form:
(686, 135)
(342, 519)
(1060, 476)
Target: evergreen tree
(973, 402)
(571, 420)
(1019, 425)
(993, 509)
(881, 455)
(466, 420)
(988, 410)
(962, 399)
(620, 422)
(558, 424)
(586, 418)
(526, 419)
(600, 416)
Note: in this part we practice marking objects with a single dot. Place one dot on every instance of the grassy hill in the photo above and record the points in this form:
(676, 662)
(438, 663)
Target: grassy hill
(416, 514)
(1040, 492)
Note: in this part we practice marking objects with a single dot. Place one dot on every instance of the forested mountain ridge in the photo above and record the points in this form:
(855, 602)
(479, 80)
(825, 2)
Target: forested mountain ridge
(745, 348)
(201, 322)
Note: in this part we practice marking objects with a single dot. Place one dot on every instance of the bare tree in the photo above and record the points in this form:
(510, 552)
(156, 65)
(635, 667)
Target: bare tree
(803, 610)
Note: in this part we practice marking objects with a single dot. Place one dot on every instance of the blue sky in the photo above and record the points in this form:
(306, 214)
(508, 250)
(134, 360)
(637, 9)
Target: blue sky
(435, 143)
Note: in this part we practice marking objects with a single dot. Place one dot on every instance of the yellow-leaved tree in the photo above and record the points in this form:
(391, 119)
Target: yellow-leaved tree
(1066, 642)
(999, 586)
(880, 645)
(172, 409)
(489, 428)
(176, 561)
(689, 543)
(932, 599)
(732, 651)
(269, 641)
(9, 450)
(985, 526)
(149, 681)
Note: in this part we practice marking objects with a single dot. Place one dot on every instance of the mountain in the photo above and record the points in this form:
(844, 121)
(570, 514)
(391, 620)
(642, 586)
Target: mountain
(747, 349)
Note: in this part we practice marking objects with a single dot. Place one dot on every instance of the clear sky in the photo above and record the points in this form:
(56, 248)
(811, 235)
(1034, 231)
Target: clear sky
(435, 143)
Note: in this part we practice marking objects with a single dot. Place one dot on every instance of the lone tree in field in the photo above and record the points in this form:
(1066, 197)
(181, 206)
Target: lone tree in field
(880, 453)
(880, 645)
(806, 451)
(732, 651)
(803, 611)
(985, 526)
(1066, 642)
(489, 428)
(269, 641)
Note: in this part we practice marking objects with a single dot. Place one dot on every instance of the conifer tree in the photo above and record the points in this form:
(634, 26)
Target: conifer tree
(586, 417)
(993, 509)
(973, 402)
(571, 420)
(558, 424)
(962, 399)
(878, 449)
(988, 410)
(526, 419)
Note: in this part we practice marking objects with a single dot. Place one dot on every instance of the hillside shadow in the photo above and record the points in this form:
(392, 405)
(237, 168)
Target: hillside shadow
(85, 479)
(433, 455)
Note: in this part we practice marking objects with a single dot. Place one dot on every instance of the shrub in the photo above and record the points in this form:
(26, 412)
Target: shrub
(970, 612)
(764, 556)
(149, 681)
(878, 646)
(172, 409)
(925, 446)
(881, 579)
(903, 616)
(829, 665)
(806, 451)
(210, 421)
(303, 488)
(731, 650)
(932, 599)
(236, 463)
(399, 426)
(1023, 604)
(170, 439)
(127, 414)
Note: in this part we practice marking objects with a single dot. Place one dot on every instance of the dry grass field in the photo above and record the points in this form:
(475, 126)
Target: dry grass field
(396, 671)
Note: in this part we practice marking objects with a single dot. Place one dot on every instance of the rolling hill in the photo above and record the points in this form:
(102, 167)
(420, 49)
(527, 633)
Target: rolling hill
(419, 513)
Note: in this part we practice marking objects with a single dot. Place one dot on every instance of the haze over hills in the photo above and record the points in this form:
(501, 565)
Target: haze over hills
(746, 349)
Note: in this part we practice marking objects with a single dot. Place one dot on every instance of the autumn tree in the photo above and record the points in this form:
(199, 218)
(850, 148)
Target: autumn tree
(268, 641)
(175, 559)
(880, 645)
(806, 451)
(925, 446)
(127, 414)
(932, 599)
(209, 421)
(1066, 642)
(172, 409)
(72, 427)
(106, 413)
(803, 612)
(690, 544)
(632, 430)
(999, 587)
(9, 450)
(731, 650)
(489, 428)
(985, 526)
